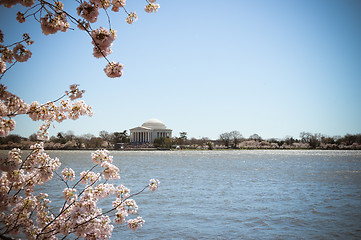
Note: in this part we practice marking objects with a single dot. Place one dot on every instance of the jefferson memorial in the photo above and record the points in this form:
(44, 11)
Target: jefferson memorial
(150, 130)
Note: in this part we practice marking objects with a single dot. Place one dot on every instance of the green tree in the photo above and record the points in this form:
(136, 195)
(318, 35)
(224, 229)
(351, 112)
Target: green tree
(120, 137)
(60, 138)
(162, 142)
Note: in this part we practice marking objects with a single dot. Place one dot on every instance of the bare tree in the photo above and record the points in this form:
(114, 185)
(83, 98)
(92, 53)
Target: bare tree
(225, 138)
(235, 137)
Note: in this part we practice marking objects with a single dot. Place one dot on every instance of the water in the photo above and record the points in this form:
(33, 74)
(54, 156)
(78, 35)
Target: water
(239, 194)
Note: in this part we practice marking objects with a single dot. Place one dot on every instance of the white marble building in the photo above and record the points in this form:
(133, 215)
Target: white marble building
(150, 130)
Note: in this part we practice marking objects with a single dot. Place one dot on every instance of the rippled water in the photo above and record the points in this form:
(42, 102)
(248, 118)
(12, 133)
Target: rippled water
(239, 194)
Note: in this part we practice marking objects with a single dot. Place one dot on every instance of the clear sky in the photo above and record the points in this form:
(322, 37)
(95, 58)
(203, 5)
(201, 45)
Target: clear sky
(271, 67)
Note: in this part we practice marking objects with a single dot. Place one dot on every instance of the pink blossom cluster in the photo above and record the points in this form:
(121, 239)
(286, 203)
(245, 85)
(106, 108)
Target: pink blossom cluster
(22, 175)
(20, 17)
(79, 215)
(68, 174)
(12, 162)
(100, 156)
(11, 3)
(10, 105)
(152, 7)
(105, 160)
(2, 66)
(56, 19)
(89, 177)
(153, 185)
(136, 223)
(102, 40)
(118, 4)
(132, 17)
(88, 11)
(74, 92)
(51, 24)
(19, 52)
(42, 133)
(122, 192)
(114, 69)
(6, 126)
(124, 207)
(50, 112)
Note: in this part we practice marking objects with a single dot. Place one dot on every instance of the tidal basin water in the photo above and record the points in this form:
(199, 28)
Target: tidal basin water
(238, 194)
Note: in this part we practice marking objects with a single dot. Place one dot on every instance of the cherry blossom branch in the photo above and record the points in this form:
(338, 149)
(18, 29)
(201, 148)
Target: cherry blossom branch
(78, 22)
(111, 210)
(61, 179)
(7, 69)
(65, 208)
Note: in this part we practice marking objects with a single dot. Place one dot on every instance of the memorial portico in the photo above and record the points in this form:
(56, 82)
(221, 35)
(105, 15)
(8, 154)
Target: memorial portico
(149, 131)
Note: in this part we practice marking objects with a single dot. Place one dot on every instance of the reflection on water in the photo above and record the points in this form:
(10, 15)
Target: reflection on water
(239, 194)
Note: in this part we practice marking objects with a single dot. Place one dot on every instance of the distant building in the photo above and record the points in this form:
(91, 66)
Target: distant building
(150, 130)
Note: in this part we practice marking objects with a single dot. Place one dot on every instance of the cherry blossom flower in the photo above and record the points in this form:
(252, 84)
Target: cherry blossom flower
(12, 104)
(68, 174)
(122, 192)
(114, 69)
(11, 3)
(7, 55)
(110, 171)
(42, 133)
(103, 190)
(78, 109)
(117, 4)
(90, 176)
(2, 66)
(102, 3)
(27, 3)
(27, 39)
(152, 7)
(6, 125)
(20, 17)
(102, 40)
(51, 24)
(132, 17)
(70, 194)
(101, 53)
(131, 205)
(74, 92)
(153, 185)
(100, 156)
(88, 11)
(103, 37)
(120, 216)
(20, 53)
(12, 162)
(136, 223)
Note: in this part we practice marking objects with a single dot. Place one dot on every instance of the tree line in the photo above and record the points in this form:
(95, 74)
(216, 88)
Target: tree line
(69, 140)
(306, 140)
(227, 140)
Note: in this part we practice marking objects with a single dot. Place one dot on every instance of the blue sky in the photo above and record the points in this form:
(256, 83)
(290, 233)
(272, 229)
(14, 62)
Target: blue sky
(275, 68)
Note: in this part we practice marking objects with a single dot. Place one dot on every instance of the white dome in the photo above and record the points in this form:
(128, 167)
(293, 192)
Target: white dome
(154, 124)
